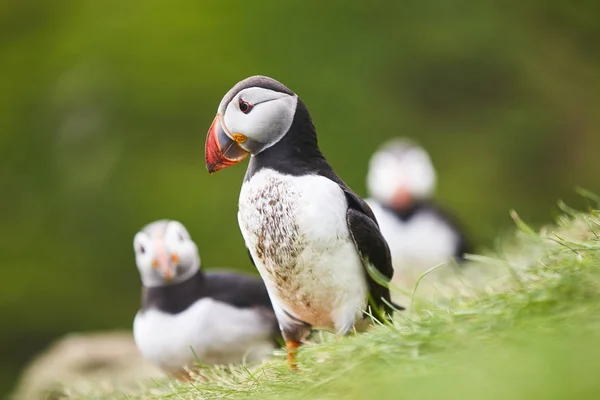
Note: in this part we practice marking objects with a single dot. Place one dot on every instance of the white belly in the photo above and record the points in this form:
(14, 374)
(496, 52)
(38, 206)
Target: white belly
(418, 244)
(218, 333)
(296, 230)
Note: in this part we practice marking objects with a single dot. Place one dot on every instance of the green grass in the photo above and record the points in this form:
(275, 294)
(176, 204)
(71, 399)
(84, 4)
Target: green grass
(521, 322)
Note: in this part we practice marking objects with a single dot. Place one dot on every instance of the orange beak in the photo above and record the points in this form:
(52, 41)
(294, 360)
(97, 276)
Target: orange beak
(222, 149)
(167, 266)
(402, 199)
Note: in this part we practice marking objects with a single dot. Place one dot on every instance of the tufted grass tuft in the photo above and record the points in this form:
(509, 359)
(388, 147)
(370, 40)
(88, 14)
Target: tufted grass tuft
(520, 322)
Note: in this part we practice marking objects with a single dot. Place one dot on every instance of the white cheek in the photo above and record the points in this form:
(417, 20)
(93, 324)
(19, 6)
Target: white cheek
(190, 257)
(144, 263)
(273, 120)
(387, 175)
(186, 250)
(384, 178)
(422, 182)
(267, 123)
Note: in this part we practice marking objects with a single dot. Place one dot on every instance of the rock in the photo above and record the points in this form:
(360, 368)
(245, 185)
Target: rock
(82, 362)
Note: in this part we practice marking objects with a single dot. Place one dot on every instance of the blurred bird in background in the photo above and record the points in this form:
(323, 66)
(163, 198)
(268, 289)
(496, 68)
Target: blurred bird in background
(401, 182)
(218, 317)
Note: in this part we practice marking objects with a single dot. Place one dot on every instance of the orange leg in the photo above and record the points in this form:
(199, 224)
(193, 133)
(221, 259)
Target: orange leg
(187, 375)
(182, 375)
(292, 349)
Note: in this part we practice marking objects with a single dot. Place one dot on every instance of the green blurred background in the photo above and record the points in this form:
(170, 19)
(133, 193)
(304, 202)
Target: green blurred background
(104, 107)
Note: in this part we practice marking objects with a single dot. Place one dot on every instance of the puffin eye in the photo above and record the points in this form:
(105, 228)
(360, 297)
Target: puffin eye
(180, 236)
(245, 107)
(142, 249)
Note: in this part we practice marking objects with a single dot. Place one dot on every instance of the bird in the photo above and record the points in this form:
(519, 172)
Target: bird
(189, 315)
(401, 180)
(312, 239)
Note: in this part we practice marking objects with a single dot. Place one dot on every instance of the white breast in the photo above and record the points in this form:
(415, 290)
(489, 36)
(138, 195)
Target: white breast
(295, 228)
(418, 244)
(219, 334)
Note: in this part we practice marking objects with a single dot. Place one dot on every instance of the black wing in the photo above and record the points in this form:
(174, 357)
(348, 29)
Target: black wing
(239, 290)
(243, 291)
(372, 247)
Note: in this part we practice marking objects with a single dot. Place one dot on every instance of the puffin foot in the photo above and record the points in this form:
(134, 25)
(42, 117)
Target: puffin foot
(183, 375)
(292, 349)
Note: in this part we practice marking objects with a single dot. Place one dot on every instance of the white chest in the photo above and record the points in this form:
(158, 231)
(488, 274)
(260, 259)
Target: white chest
(420, 243)
(296, 230)
(218, 333)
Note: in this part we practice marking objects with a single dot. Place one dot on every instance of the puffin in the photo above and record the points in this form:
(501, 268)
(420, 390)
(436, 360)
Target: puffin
(188, 315)
(312, 239)
(400, 182)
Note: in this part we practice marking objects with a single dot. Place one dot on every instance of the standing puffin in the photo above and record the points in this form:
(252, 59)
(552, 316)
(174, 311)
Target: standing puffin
(400, 181)
(225, 317)
(309, 235)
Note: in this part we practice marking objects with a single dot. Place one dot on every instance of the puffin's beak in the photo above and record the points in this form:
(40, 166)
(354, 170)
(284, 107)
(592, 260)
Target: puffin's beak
(222, 150)
(167, 266)
(402, 199)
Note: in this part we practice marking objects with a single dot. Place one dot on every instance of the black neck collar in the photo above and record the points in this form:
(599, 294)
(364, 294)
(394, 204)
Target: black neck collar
(406, 213)
(297, 153)
(174, 298)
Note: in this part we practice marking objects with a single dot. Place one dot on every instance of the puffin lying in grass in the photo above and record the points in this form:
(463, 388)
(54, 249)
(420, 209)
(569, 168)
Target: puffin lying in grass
(310, 236)
(400, 181)
(223, 316)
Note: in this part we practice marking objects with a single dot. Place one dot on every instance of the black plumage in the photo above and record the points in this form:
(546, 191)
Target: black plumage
(241, 291)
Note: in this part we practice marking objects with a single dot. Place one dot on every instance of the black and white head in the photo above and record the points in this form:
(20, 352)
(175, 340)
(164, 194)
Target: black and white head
(253, 116)
(165, 253)
(400, 172)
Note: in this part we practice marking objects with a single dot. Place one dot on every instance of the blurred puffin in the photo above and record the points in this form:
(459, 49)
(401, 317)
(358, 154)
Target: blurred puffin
(309, 235)
(225, 317)
(400, 181)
